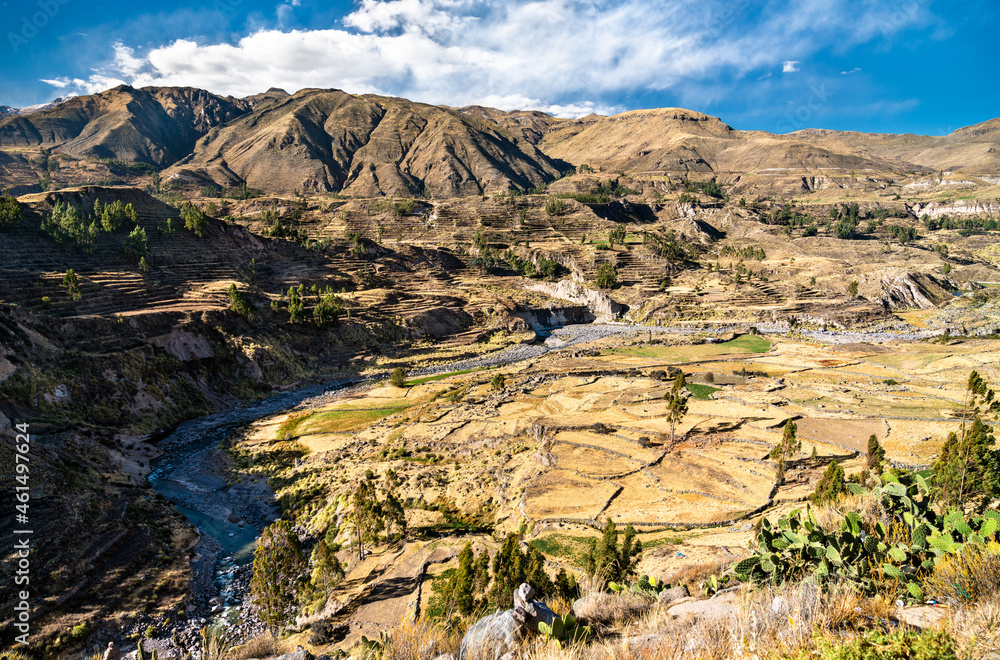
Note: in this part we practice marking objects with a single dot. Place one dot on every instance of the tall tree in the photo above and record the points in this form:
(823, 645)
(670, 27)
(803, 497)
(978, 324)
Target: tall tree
(830, 486)
(72, 284)
(789, 444)
(279, 569)
(876, 456)
(677, 405)
(327, 571)
(368, 518)
(609, 561)
(968, 467)
(463, 582)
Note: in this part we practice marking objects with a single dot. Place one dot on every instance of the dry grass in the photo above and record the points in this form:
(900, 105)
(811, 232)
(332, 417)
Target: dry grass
(976, 628)
(612, 609)
(968, 576)
(693, 575)
(768, 622)
(419, 640)
(264, 646)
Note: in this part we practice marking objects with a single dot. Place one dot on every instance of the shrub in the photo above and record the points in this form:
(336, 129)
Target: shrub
(846, 229)
(398, 377)
(902, 644)
(970, 575)
(497, 382)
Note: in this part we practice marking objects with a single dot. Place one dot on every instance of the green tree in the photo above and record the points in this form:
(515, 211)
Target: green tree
(607, 276)
(279, 569)
(136, 244)
(327, 572)
(610, 562)
(876, 456)
(852, 288)
(565, 585)
(554, 206)
(238, 302)
(789, 444)
(394, 515)
(398, 377)
(143, 265)
(830, 486)
(296, 306)
(367, 515)
(327, 311)
(10, 211)
(968, 467)
(113, 216)
(194, 219)
(498, 381)
(512, 566)
(72, 284)
(617, 235)
(462, 586)
(677, 403)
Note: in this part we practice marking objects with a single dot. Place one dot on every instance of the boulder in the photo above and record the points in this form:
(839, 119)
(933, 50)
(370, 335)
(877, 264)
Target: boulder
(300, 654)
(500, 633)
(112, 652)
(668, 596)
(722, 606)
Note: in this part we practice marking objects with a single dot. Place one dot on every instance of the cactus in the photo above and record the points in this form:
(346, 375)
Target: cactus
(564, 629)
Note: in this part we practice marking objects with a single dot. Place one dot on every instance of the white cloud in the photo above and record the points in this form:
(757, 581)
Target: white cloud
(58, 82)
(562, 56)
(847, 73)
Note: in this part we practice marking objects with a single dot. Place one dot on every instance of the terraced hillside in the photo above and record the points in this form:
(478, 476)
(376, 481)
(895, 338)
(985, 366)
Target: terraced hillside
(581, 436)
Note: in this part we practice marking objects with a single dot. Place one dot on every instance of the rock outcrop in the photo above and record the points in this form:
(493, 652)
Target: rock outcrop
(601, 306)
(501, 632)
(908, 290)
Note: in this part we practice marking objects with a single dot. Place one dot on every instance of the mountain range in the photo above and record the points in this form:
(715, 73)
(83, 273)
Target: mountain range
(328, 140)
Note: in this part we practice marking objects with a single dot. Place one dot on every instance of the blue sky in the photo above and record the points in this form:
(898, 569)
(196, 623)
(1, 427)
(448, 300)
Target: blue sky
(920, 66)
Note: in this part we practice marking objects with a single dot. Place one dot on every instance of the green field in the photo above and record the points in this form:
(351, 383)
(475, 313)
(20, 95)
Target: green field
(701, 391)
(744, 344)
(335, 421)
(431, 379)
(571, 548)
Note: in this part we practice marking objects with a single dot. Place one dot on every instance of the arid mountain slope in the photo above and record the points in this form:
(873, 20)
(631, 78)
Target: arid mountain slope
(673, 140)
(973, 149)
(154, 125)
(322, 140)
